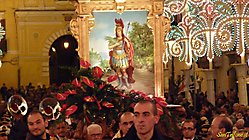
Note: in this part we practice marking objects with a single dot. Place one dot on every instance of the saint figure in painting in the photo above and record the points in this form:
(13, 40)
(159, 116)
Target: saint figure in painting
(121, 55)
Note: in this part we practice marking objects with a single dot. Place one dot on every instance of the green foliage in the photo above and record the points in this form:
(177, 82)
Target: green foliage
(110, 40)
(95, 57)
(142, 38)
(104, 64)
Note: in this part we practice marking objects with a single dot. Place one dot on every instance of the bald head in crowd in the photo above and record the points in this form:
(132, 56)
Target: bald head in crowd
(221, 125)
(126, 121)
(94, 132)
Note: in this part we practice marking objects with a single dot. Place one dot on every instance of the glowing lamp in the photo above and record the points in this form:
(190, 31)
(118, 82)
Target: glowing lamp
(66, 45)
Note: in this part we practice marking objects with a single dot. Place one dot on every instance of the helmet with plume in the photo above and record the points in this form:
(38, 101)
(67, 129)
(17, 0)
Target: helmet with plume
(119, 23)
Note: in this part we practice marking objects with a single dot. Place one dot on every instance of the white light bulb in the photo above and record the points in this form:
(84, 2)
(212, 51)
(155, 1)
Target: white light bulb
(53, 49)
(66, 45)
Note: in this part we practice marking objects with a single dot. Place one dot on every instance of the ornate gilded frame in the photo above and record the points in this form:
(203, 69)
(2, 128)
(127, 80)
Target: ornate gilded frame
(82, 24)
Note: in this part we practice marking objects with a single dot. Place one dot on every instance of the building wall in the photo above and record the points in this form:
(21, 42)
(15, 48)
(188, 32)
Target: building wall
(31, 28)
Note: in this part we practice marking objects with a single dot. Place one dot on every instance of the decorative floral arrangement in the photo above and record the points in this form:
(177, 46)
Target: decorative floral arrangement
(90, 99)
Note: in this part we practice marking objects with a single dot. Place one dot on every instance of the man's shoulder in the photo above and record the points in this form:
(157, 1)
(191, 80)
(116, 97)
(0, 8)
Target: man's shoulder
(159, 136)
(118, 139)
(55, 137)
(132, 135)
(167, 138)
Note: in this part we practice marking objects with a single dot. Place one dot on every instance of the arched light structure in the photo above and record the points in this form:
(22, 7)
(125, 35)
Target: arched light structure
(2, 33)
(208, 28)
(178, 41)
(175, 7)
(234, 27)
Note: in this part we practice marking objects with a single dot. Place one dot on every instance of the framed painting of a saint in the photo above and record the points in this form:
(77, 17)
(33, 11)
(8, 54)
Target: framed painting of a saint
(94, 27)
(122, 45)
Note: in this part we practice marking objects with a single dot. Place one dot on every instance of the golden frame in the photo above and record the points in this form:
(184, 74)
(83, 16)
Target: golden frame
(82, 24)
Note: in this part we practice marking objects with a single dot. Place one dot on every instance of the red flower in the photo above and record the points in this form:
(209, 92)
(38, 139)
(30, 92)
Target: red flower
(70, 92)
(161, 101)
(61, 97)
(89, 99)
(101, 85)
(97, 72)
(84, 64)
(64, 106)
(159, 110)
(88, 82)
(132, 105)
(71, 110)
(98, 103)
(76, 83)
(112, 78)
(107, 104)
(142, 94)
(132, 91)
(86, 117)
(148, 98)
(122, 94)
(63, 84)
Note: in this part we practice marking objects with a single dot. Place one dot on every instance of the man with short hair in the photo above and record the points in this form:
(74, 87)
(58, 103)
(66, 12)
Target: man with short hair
(61, 130)
(37, 126)
(189, 130)
(94, 132)
(221, 128)
(4, 131)
(126, 121)
(145, 119)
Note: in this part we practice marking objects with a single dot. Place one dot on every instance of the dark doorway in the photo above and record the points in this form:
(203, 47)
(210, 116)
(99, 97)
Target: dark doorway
(63, 59)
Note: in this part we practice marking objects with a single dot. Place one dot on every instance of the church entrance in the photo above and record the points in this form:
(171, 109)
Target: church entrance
(63, 59)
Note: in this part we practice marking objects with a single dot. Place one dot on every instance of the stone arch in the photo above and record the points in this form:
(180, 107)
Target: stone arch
(46, 48)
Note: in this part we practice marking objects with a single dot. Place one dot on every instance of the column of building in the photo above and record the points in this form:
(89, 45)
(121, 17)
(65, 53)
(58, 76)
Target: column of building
(210, 85)
(242, 87)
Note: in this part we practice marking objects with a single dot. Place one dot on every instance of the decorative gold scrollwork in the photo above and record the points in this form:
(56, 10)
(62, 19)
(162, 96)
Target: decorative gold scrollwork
(74, 27)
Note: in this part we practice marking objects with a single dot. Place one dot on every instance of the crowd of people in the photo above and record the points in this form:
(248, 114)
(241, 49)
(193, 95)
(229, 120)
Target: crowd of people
(226, 120)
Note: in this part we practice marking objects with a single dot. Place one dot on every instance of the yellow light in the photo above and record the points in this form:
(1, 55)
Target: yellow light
(0, 63)
(66, 45)
(53, 49)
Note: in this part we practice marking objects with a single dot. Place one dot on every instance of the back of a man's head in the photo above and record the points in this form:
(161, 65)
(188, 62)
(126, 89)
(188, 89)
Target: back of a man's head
(221, 125)
(226, 123)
